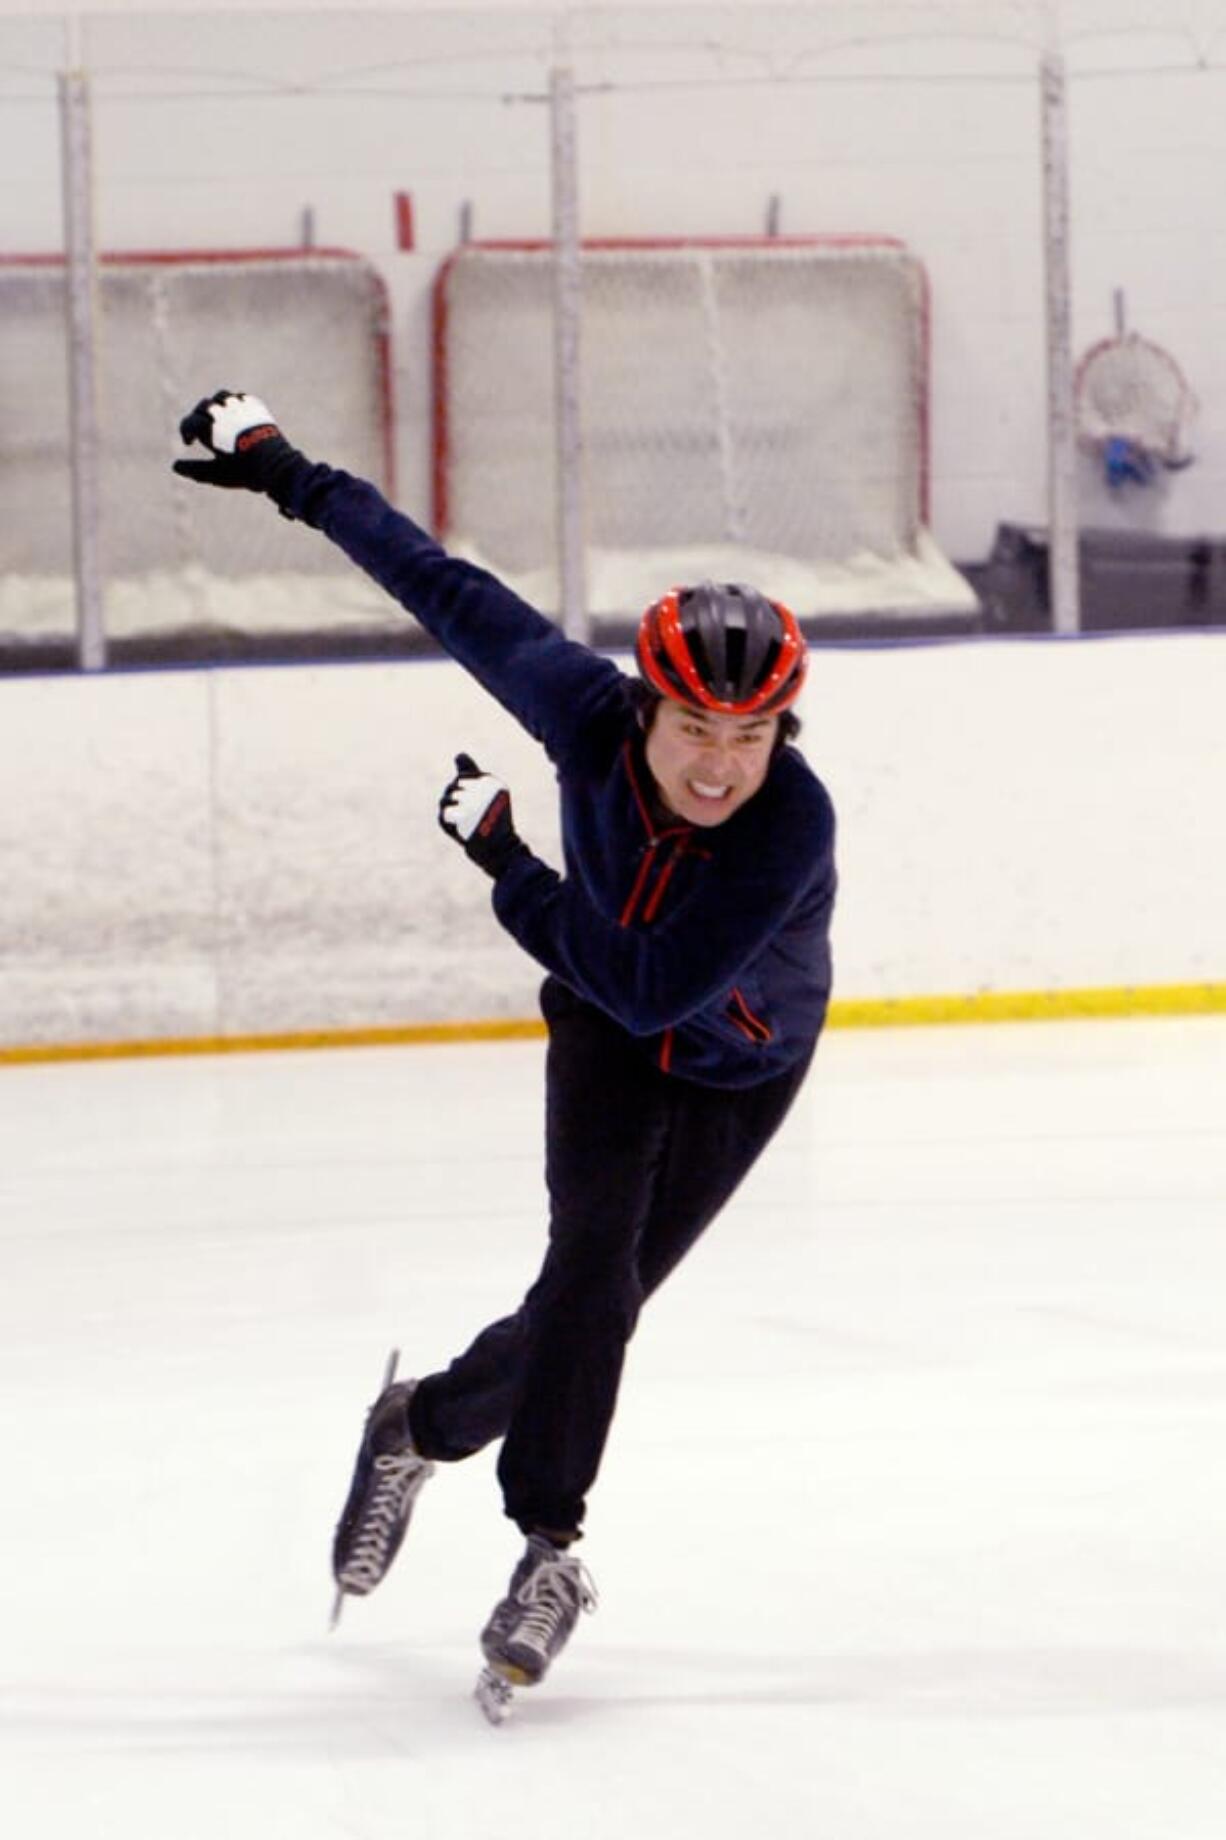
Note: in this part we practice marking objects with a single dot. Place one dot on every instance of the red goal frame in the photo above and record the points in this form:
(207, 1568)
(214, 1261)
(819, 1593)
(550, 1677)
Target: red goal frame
(195, 258)
(440, 444)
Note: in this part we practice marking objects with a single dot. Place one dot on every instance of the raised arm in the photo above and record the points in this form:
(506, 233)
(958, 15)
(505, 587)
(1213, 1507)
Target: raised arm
(558, 690)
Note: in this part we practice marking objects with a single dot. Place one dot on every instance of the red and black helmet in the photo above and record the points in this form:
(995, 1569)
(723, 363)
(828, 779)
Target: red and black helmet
(722, 648)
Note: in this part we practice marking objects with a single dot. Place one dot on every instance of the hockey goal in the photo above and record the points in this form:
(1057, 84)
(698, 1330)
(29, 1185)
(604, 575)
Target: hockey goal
(305, 327)
(748, 406)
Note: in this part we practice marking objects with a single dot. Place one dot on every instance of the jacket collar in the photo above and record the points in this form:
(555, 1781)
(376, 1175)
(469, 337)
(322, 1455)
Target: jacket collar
(658, 821)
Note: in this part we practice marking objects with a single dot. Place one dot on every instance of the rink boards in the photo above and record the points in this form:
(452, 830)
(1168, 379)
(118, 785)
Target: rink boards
(245, 857)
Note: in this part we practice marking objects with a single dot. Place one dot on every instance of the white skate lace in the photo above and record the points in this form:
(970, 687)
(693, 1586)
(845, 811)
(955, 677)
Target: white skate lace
(556, 1591)
(399, 1479)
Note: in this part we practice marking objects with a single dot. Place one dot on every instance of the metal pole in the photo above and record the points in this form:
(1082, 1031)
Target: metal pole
(82, 322)
(734, 515)
(1064, 589)
(567, 310)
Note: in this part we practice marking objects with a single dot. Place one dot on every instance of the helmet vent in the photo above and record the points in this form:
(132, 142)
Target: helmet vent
(722, 647)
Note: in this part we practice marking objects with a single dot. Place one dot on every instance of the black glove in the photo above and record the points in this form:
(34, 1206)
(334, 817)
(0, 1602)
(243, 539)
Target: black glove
(475, 809)
(249, 451)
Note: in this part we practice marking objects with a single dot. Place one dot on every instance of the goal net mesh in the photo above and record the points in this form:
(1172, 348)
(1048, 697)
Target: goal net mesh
(767, 399)
(308, 329)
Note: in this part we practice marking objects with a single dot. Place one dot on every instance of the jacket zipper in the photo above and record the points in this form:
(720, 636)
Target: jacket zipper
(679, 834)
(651, 906)
(627, 913)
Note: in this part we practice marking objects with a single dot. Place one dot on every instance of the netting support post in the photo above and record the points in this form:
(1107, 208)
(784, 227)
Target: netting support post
(80, 307)
(567, 311)
(1064, 588)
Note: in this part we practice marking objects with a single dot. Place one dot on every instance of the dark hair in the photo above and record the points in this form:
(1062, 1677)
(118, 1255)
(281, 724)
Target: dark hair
(645, 701)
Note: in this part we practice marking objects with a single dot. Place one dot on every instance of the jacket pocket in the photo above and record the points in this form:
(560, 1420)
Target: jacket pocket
(747, 1020)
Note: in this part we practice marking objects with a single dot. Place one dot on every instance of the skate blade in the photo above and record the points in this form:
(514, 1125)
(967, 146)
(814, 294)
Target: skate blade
(338, 1604)
(494, 1694)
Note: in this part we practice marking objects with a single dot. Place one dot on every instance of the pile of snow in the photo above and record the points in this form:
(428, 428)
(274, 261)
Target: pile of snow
(619, 584)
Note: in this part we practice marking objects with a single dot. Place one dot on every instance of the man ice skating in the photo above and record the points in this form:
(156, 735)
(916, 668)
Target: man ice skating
(687, 961)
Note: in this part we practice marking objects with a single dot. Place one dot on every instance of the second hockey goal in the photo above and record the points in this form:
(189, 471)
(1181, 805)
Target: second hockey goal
(748, 406)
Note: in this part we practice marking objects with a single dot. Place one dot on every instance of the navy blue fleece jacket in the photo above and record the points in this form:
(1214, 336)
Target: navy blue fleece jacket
(711, 944)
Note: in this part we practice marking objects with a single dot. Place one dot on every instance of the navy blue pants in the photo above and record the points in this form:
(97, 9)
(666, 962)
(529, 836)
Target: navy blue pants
(637, 1164)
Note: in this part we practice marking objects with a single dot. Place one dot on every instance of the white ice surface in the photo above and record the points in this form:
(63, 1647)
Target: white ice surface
(912, 1526)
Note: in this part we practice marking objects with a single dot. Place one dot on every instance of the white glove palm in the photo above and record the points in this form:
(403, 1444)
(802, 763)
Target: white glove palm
(466, 802)
(248, 449)
(233, 417)
(475, 809)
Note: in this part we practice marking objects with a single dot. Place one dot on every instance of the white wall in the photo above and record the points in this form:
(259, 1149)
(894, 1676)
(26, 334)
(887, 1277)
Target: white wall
(221, 127)
(242, 851)
(239, 851)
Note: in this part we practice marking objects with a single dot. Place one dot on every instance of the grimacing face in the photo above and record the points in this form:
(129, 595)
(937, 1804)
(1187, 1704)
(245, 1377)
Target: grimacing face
(706, 766)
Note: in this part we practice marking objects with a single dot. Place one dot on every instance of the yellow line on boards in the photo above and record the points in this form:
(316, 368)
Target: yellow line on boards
(1031, 1006)
(408, 1035)
(850, 1013)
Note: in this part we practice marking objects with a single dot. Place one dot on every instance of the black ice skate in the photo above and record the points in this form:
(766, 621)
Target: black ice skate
(387, 1479)
(532, 1623)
